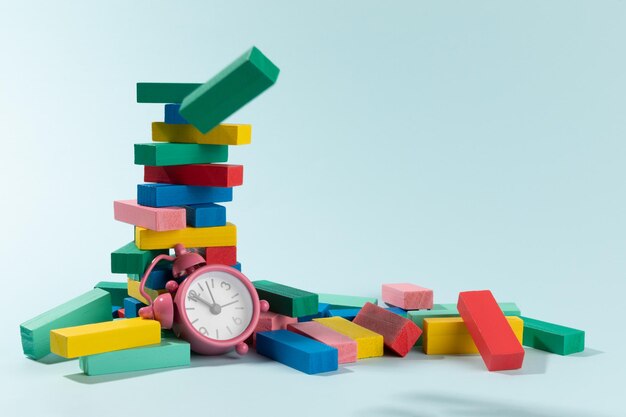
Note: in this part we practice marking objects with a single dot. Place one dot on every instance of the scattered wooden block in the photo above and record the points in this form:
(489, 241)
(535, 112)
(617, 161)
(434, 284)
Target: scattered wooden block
(297, 351)
(205, 215)
(118, 291)
(121, 313)
(237, 266)
(153, 218)
(165, 195)
(229, 90)
(171, 352)
(552, 338)
(322, 311)
(449, 335)
(286, 300)
(92, 307)
(407, 296)
(337, 301)
(345, 346)
(172, 116)
(369, 343)
(205, 175)
(132, 307)
(269, 321)
(351, 313)
(133, 291)
(147, 239)
(399, 311)
(399, 334)
(114, 310)
(90, 339)
(164, 92)
(490, 330)
(129, 259)
(224, 134)
(157, 279)
(222, 255)
(165, 154)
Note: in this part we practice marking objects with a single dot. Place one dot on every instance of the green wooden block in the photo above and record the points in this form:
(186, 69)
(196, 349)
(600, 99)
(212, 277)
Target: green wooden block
(164, 154)
(164, 92)
(228, 91)
(129, 259)
(92, 307)
(118, 291)
(169, 353)
(286, 300)
(552, 337)
(337, 301)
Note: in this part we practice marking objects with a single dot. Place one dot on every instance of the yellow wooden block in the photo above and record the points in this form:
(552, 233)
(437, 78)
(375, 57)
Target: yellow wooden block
(449, 335)
(133, 291)
(72, 342)
(224, 134)
(191, 237)
(368, 343)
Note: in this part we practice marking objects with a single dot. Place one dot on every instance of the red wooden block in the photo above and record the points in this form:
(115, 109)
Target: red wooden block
(272, 321)
(121, 314)
(399, 333)
(209, 175)
(490, 330)
(223, 255)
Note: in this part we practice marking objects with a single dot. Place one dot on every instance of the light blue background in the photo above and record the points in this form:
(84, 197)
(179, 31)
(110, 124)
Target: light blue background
(458, 145)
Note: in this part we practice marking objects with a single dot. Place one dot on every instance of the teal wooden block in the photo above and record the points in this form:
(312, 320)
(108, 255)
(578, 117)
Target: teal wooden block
(129, 259)
(228, 91)
(169, 353)
(337, 301)
(118, 291)
(164, 92)
(552, 337)
(165, 154)
(92, 307)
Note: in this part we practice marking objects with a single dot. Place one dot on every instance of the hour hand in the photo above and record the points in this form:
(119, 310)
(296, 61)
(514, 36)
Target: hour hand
(214, 308)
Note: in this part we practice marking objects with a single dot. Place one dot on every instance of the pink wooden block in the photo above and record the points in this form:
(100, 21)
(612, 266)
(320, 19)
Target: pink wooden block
(408, 296)
(269, 321)
(159, 219)
(314, 330)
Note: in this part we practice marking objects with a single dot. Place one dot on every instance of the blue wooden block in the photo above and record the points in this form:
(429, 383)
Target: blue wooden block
(297, 351)
(172, 116)
(157, 278)
(131, 307)
(115, 311)
(166, 195)
(398, 311)
(322, 311)
(206, 215)
(237, 266)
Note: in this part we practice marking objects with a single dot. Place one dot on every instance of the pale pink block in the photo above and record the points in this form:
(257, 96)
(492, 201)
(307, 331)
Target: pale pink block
(159, 219)
(408, 296)
(346, 346)
(269, 321)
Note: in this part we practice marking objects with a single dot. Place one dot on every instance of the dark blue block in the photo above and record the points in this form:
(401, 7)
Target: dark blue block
(115, 311)
(206, 215)
(131, 307)
(157, 278)
(398, 311)
(172, 116)
(166, 195)
(346, 313)
(322, 311)
(237, 266)
(297, 351)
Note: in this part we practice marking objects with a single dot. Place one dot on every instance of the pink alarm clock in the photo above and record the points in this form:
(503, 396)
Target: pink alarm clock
(215, 308)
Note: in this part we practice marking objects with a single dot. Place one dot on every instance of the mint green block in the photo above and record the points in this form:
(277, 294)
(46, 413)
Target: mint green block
(228, 91)
(336, 301)
(552, 338)
(118, 291)
(92, 307)
(169, 353)
(164, 154)
(166, 93)
(129, 259)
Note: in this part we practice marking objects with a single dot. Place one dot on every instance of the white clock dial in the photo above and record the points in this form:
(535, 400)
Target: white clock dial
(218, 305)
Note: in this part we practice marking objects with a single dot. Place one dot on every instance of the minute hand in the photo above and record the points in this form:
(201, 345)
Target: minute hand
(232, 302)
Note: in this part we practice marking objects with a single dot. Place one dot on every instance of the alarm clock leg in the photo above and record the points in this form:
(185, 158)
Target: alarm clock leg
(241, 348)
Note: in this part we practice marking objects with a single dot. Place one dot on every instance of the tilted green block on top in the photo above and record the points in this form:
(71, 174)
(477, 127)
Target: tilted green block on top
(91, 307)
(129, 259)
(552, 338)
(166, 93)
(286, 300)
(164, 154)
(231, 89)
(118, 291)
(337, 301)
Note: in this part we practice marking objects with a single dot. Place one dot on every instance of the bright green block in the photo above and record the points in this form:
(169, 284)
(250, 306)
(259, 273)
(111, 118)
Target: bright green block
(164, 92)
(169, 353)
(91, 307)
(337, 301)
(228, 91)
(285, 300)
(163, 154)
(118, 291)
(129, 259)
(552, 337)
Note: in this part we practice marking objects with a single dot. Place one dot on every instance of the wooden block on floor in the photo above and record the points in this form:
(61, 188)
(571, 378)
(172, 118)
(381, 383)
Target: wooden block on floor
(206, 215)
(269, 321)
(172, 116)
(147, 239)
(407, 296)
(322, 311)
(171, 352)
(337, 301)
(164, 92)
(297, 351)
(351, 313)
(369, 343)
(205, 175)
(153, 218)
(552, 338)
(449, 335)
(131, 307)
(490, 330)
(91, 307)
(118, 291)
(399, 334)
(129, 259)
(229, 90)
(133, 291)
(286, 300)
(165, 195)
(224, 134)
(90, 339)
(345, 346)
(165, 154)
(222, 255)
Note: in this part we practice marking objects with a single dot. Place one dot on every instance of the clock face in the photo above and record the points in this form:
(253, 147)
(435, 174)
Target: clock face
(218, 305)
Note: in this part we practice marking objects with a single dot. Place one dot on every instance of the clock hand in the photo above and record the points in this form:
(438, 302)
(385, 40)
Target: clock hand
(232, 302)
(214, 308)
